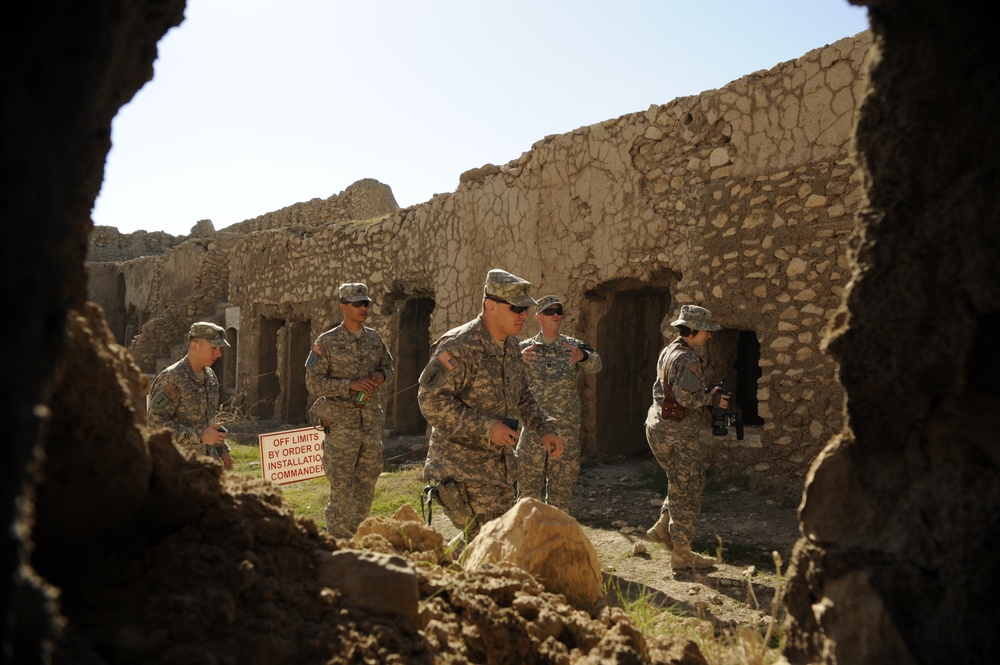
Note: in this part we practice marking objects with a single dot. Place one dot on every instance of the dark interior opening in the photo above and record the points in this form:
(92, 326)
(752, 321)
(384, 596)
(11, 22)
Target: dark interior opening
(748, 372)
(733, 357)
(268, 387)
(629, 341)
(297, 350)
(410, 356)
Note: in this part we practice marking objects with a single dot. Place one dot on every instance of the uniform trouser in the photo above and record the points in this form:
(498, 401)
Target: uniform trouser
(352, 461)
(482, 503)
(544, 478)
(676, 448)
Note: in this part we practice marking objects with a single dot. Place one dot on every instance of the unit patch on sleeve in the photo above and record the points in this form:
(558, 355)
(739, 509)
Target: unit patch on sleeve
(314, 355)
(436, 372)
(163, 398)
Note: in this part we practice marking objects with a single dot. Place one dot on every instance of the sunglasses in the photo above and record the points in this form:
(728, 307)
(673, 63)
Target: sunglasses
(359, 304)
(517, 309)
(553, 311)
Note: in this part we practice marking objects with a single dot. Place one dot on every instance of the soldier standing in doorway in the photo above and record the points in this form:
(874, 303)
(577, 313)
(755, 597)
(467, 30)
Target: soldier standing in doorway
(345, 368)
(554, 362)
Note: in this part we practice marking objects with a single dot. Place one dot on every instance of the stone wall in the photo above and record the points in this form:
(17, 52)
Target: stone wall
(365, 199)
(739, 199)
(108, 244)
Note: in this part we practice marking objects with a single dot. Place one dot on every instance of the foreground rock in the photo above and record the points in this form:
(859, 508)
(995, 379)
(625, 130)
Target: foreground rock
(547, 543)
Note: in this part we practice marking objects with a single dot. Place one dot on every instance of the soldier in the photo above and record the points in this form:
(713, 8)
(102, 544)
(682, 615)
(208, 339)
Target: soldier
(344, 369)
(472, 393)
(673, 423)
(554, 361)
(184, 397)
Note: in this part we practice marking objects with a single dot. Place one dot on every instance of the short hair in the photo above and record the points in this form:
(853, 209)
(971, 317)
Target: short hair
(686, 331)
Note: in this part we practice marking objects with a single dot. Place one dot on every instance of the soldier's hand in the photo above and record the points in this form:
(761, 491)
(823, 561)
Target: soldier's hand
(553, 445)
(366, 384)
(723, 399)
(529, 354)
(503, 435)
(227, 460)
(575, 353)
(211, 435)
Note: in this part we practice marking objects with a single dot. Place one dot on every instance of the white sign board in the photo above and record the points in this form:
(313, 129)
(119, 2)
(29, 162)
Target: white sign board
(292, 456)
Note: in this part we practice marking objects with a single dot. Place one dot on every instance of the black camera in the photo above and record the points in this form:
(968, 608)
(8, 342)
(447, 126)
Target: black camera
(723, 418)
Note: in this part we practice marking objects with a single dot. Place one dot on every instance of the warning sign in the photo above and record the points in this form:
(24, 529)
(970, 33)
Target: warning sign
(292, 456)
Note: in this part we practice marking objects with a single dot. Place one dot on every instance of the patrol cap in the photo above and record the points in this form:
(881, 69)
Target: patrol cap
(501, 284)
(354, 292)
(209, 332)
(547, 301)
(696, 318)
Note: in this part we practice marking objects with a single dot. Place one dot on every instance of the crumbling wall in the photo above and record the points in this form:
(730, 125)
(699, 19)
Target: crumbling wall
(108, 244)
(739, 199)
(364, 199)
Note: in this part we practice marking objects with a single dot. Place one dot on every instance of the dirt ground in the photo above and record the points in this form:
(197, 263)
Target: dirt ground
(617, 499)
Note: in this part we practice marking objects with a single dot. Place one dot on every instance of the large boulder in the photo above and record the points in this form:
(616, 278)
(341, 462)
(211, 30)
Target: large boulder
(547, 543)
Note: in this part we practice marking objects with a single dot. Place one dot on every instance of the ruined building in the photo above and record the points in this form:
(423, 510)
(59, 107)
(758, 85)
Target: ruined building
(109, 550)
(740, 199)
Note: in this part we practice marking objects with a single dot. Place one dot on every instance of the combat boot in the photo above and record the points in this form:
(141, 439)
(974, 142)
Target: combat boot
(659, 533)
(682, 557)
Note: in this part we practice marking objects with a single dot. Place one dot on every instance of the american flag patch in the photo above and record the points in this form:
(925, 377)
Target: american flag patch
(447, 361)
(317, 349)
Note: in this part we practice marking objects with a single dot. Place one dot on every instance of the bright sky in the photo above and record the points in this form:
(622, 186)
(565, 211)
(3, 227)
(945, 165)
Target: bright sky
(259, 104)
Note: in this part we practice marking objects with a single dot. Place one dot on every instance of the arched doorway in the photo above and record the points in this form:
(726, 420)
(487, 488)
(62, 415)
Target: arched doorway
(629, 341)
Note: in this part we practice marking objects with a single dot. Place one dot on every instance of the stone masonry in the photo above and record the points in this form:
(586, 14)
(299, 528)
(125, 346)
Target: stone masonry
(740, 199)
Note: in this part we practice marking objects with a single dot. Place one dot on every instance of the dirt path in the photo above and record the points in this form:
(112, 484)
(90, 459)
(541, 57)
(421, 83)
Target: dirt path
(616, 500)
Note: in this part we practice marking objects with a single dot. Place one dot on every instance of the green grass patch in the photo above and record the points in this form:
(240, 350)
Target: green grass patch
(398, 485)
(395, 488)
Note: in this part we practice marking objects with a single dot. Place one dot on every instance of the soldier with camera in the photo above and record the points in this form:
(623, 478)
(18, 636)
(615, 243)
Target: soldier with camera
(680, 410)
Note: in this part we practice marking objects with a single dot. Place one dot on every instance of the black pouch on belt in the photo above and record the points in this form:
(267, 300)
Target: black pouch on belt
(452, 496)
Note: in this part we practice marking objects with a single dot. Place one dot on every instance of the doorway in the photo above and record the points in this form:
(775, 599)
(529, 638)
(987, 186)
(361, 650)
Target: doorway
(410, 355)
(629, 341)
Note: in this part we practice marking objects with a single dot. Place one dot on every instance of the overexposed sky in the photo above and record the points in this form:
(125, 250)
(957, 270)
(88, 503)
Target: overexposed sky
(259, 104)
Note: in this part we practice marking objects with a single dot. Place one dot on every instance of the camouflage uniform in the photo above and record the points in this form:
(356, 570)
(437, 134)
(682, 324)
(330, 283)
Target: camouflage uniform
(675, 444)
(469, 383)
(184, 403)
(553, 381)
(352, 450)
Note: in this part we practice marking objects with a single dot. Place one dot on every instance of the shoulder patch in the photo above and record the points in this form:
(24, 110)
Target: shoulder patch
(436, 372)
(314, 355)
(160, 400)
(172, 389)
